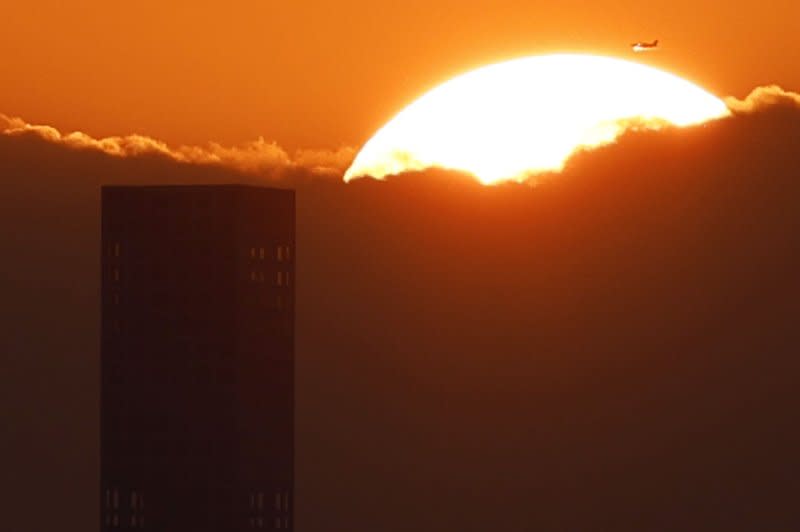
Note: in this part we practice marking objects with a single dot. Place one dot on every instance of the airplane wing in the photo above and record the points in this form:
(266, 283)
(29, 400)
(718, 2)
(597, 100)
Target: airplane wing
(644, 46)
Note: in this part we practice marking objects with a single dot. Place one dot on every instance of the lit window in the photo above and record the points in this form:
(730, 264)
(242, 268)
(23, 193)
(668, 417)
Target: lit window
(288, 253)
(287, 278)
(261, 253)
(253, 252)
(280, 253)
(116, 249)
(280, 278)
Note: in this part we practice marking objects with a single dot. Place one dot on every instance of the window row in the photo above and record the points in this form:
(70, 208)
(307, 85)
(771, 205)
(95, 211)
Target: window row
(136, 521)
(114, 250)
(112, 499)
(282, 253)
(135, 508)
(280, 501)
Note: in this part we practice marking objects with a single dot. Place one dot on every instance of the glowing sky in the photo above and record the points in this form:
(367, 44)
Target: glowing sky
(323, 74)
(508, 120)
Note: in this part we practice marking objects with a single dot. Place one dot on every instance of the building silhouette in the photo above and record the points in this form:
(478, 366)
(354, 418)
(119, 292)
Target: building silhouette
(197, 372)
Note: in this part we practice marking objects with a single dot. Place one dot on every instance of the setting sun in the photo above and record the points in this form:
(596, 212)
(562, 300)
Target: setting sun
(509, 120)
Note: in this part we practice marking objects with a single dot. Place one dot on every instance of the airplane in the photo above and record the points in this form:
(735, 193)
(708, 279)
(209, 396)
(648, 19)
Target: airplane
(644, 46)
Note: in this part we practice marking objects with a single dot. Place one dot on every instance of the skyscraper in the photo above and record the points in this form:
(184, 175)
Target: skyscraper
(197, 391)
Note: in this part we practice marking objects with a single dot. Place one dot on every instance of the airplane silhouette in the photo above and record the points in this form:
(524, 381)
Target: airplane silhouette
(644, 46)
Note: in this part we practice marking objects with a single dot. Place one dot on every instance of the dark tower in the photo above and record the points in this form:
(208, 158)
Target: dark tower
(197, 391)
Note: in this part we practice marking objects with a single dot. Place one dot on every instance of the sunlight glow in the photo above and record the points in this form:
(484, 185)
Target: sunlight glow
(510, 120)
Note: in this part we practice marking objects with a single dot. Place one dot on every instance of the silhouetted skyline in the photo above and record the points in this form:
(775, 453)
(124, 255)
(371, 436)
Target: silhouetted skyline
(197, 388)
(614, 348)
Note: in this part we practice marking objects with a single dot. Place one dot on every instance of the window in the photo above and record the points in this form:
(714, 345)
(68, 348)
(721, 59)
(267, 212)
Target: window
(133, 499)
(252, 275)
(253, 252)
(116, 249)
(279, 278)
(278, 501)
(280, 253)
(261, 253)
(277, 522)
(116, 498)
(252, 501)
(116, 274)
(286, 502)
(260, 500)
(115, 299)
(288, 253)
(287, 278)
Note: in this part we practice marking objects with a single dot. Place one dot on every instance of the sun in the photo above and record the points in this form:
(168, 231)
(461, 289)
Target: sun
(509, 120)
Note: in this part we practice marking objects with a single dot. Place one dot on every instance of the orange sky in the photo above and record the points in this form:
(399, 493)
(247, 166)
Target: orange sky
(325, 74)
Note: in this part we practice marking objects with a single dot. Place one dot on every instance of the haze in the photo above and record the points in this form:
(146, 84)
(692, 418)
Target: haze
(619, 340)
(612, 347)
(323, 75)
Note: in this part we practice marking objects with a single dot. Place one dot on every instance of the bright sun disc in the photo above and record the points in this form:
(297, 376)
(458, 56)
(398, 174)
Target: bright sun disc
(509, 120)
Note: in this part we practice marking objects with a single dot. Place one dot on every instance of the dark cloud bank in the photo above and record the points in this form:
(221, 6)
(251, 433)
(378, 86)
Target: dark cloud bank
(615, 348)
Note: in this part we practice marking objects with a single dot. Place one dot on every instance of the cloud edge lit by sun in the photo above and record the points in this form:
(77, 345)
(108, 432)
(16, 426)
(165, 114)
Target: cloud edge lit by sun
(484, 122)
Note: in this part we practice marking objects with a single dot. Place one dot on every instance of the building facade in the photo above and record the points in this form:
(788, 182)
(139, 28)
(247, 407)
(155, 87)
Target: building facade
(197, 369)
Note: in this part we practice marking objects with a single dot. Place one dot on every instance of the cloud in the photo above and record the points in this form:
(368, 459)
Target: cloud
(260, 157)
(622, 324)
(263, 158)
(762, 98)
